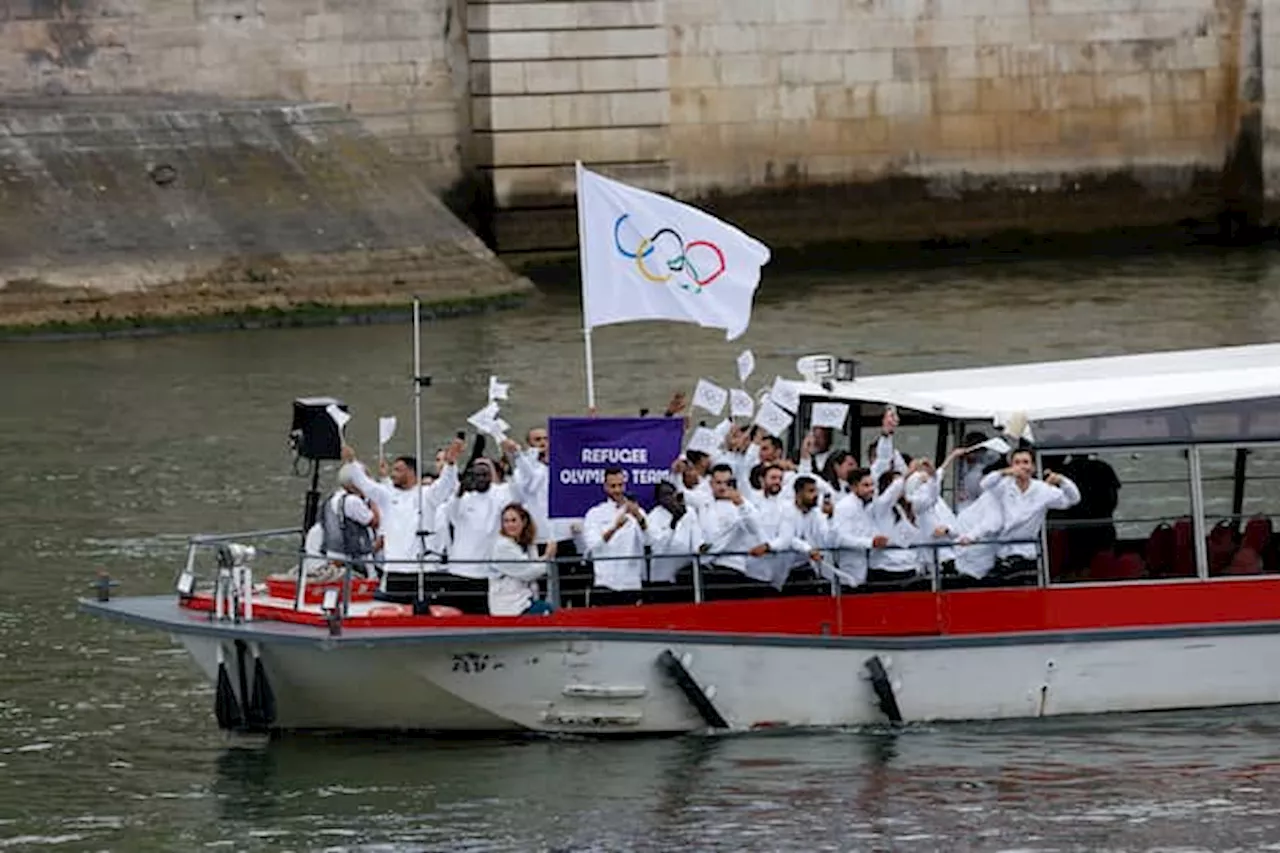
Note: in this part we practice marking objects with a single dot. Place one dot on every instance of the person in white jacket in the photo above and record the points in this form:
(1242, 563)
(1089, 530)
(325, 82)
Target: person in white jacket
(1024, 502)
(514, 566)
(802, 533)
(673, 535)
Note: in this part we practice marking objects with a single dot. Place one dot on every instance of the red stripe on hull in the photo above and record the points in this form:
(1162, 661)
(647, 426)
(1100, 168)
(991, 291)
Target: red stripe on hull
(895, 614)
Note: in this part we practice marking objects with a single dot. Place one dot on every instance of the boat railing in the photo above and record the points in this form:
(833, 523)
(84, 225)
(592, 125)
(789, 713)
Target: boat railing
(840, 570)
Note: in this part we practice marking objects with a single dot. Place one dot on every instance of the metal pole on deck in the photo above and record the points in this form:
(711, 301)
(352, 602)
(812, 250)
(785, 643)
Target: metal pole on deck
(417, 414)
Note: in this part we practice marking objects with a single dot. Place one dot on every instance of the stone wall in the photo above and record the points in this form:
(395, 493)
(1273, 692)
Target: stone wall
(137, 208)
(875, 119)
(399, 65)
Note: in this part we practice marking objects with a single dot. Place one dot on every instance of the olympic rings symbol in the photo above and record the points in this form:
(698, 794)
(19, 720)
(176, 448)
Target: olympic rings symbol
(698, 262)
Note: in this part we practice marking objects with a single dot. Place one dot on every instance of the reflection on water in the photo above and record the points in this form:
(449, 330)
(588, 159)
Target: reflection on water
(117, 449)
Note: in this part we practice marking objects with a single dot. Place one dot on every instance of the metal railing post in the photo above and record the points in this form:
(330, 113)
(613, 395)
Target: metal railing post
(553, 582)
(697, 579)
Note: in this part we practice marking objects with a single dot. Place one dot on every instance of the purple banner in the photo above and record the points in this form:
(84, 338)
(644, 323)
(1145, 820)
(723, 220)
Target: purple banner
(582, 448)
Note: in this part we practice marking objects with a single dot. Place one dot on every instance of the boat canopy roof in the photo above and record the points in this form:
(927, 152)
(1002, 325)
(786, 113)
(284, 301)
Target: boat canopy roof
(1195, 384)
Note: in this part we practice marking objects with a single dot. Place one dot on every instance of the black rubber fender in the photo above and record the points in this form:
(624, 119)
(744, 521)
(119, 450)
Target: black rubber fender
(884, 689)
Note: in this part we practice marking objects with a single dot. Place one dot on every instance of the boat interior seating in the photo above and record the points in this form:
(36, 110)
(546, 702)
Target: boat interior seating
(1167, 553)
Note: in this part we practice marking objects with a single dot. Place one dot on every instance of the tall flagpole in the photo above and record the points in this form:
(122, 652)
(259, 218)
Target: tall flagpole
(586, 278)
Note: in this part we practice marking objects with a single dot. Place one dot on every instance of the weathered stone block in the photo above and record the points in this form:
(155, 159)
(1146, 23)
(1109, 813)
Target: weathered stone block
(913, 136)
(497, 78)
(868, 66)
(583, 110)
(797, 102)
(865, 135)
(969, 130)
(1009, 95)
(521, 16)
(1002, 29)
(735, 38)
(811, 69)
(1070, 91)
(1123, 89)
(559, 75)
(1197, 120)
(639, 108)
(651, 72)
(1021, 130)
(803, 11)
(511, 112)
(903, 99)
(508, 46)
(845, 101)
(1083, 129)
(919, 63)
(693, 71)
(747, 70)
(610, 13)
(956, 96)
(606, 43)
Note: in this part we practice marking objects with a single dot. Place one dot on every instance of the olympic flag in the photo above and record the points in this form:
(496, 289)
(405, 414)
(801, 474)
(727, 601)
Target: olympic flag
(648, 257)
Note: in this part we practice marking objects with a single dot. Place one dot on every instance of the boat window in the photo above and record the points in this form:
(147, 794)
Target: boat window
(919, 440)
(1238, 421)
(1241, 489)
(1133, 521)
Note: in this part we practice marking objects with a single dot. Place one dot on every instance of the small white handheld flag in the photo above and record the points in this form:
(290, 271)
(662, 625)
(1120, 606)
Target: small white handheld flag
(710, 396)
(740, 404)
(998, 444)
(339, 417)
(784, 394)
(831, 415)
(646, 256)
(386, 429)
(746, 365)
(703, 440)
(773, 418)
(497, 390)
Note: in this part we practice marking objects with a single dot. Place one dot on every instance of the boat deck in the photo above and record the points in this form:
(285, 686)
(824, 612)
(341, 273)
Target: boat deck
(874, 621)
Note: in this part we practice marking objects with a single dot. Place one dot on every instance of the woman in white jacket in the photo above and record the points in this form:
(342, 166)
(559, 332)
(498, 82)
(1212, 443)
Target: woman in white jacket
(514, 566)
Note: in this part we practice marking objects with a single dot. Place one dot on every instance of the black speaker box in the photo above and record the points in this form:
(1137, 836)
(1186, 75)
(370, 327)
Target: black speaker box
(314, 433)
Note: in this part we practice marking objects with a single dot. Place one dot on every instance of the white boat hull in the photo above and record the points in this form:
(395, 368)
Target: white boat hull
(600, 684)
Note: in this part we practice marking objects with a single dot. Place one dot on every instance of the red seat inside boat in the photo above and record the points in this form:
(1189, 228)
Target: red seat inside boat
(1221, 546)
(1184, 549)
(1058, 554)
(1160, 551)
(1250, 557)
(1109, 566)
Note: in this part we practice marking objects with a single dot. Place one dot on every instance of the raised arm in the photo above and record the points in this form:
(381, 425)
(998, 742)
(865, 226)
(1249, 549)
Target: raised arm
(1065, 492)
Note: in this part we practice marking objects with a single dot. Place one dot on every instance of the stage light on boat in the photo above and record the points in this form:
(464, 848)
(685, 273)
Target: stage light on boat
(186, 584)
(330, 602)
(815, 368)
(846, 369)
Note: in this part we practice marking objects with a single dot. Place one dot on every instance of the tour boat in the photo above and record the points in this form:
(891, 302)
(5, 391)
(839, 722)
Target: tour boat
(1171, 601)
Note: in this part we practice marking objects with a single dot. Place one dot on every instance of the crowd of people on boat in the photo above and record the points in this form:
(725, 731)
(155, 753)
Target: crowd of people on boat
(748, 511)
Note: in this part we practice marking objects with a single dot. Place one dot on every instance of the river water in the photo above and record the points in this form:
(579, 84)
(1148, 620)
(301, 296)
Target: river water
(115, 450)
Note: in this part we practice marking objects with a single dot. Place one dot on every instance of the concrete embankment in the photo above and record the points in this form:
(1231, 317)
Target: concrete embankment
(147, 209)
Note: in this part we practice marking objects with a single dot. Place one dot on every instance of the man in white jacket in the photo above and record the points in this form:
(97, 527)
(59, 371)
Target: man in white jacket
(398, 498)
(1024, 502)
(615, 533)
(803, 531)
(475, 516)
(729, 523)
